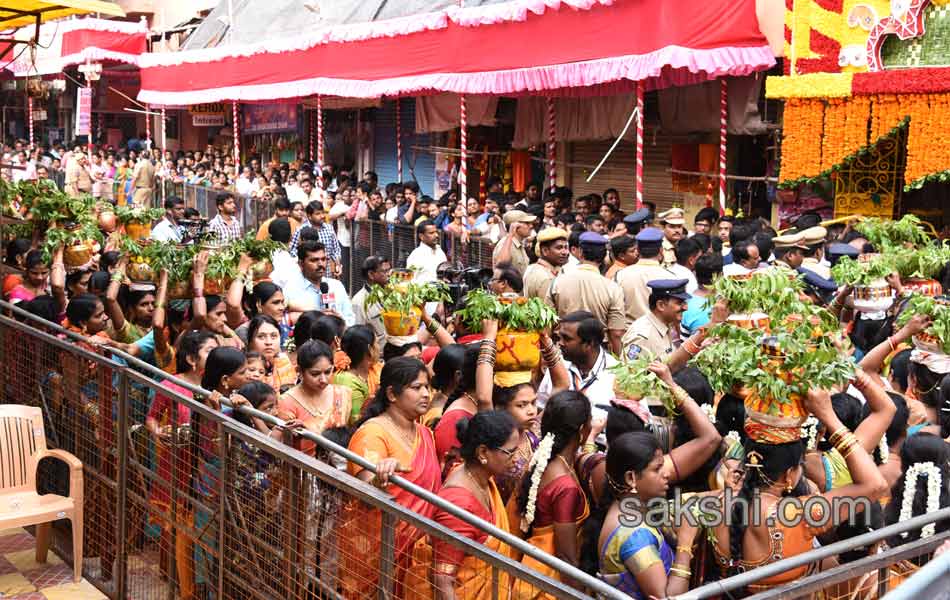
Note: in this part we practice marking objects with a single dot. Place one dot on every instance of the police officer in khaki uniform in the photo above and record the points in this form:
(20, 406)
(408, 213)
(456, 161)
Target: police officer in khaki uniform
(584, 288)
(814, 238)
(552, 251)
(656, 330)
(672, 222)
(633, 279)
(789, 251)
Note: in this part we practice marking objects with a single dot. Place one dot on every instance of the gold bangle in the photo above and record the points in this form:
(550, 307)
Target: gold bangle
(686, 549)
(681, 573)
(834, 436)
(589, 447)
(681, 566)
(679, 395)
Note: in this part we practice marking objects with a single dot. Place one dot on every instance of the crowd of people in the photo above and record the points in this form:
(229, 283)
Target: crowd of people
(554, 457)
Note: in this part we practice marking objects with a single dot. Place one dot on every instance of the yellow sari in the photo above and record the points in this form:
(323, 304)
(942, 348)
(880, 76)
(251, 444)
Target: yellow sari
(473, 577)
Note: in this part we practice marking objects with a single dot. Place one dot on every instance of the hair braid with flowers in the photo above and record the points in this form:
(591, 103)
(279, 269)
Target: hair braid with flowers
(922, 454)
(565, 415)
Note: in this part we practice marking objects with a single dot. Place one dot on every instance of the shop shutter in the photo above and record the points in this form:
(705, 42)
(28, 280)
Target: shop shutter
(385, 146)
(657, 182)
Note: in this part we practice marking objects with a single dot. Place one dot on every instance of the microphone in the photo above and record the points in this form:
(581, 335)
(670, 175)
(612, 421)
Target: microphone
(326, 298)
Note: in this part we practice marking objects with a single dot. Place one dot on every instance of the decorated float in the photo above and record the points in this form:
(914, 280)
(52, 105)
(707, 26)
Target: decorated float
(866, 96)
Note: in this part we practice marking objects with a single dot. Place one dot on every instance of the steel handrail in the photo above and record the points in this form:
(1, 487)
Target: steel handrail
(725, 586)
(597, 585)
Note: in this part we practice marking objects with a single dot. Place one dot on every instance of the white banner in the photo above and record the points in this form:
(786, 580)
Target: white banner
(39, 115)
(207, 120)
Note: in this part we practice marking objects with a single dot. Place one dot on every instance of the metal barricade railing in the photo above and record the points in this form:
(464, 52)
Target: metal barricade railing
(804, 587)
(217, 509)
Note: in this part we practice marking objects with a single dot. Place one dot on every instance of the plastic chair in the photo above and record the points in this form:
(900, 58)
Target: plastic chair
(22, 447)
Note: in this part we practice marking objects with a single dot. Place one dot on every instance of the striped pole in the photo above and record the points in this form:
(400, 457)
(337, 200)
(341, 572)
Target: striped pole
(237, 169)
(320, 140)
(552, 144)
(237, 134)
(463, 147)
(398, 143)
(723, 133)
(148, 127)
(640, 120)
(29, 105)
(313, 136)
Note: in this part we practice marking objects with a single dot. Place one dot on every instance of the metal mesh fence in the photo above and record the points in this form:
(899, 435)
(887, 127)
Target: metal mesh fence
(184, 502)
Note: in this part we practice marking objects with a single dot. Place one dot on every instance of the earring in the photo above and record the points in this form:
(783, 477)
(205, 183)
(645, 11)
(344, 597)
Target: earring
(789, 487)
(484, 462)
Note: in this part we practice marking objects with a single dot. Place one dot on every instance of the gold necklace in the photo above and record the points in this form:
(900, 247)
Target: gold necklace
(409, 440)
(569, 468)
(480, 489)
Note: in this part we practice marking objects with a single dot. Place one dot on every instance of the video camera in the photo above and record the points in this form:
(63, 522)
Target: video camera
(194, 230)
(461, 280)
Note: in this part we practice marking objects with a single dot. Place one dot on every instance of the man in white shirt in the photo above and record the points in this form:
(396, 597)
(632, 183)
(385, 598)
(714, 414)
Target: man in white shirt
(245, 183)
(745, 257)
(428, 255)
(286, 268)
(376, 270)
(312, 289)
(338, 216)
(168, 229)
(687, 252)
(581, 338)
(304, 193)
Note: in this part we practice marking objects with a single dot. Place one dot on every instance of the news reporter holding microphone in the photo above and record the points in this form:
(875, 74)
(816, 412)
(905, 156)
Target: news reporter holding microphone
(312, 288)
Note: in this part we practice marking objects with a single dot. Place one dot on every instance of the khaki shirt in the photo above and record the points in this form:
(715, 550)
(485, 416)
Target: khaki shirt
(648, 333)
(584, 288)
(519, 257)
(812, 264)
(633, 281)
(144, 175)
(668, 253)
(537, 279)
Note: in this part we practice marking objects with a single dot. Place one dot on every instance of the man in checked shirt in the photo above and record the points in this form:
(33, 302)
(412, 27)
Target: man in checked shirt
(225, 226)
(316, 228)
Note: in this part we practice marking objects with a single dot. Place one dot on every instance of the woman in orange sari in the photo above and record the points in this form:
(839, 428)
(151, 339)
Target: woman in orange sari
(316, 405)
(263, 336)
(489, 441)
(389, 436)
(550, 506)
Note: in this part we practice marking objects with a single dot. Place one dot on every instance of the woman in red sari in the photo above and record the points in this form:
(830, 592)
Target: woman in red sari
(169, 423)
(389, 436)
(489, 441)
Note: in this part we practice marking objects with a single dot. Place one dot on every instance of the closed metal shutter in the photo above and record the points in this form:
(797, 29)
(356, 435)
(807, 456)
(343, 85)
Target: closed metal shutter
(622, 172)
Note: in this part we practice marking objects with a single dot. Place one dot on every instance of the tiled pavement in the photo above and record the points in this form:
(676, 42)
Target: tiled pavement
(22, 578)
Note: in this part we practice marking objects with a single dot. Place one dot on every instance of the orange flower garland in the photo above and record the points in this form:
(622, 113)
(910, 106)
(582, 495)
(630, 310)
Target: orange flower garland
(801, 143)
(856, 130)
(834, 145)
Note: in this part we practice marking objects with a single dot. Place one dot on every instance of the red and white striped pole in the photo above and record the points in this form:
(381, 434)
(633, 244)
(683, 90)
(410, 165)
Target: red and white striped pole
(552, 144)
(398, 143)
(723, 133)
(237, 134)
(640, 120)
(320, 140)
(148, 127)
(463, 147)
(313, 133)
(29, 105)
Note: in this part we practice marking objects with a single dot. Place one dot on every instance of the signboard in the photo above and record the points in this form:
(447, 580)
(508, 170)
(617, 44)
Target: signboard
(269, 118)
(39, 115)
(84, 111)
(207, 115)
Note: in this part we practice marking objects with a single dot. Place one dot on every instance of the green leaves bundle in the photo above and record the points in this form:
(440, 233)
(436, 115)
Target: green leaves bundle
(854, 273)
(926, 261)
(939, 313)
(47, 203)
(766, 291)
(886, 233)
(403, 296)
(86, 231)
(519, 315)
(738, 359)
(138, 214)
(635, 380)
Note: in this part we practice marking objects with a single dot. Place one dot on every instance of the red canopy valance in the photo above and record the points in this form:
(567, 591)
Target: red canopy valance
(525, 46)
